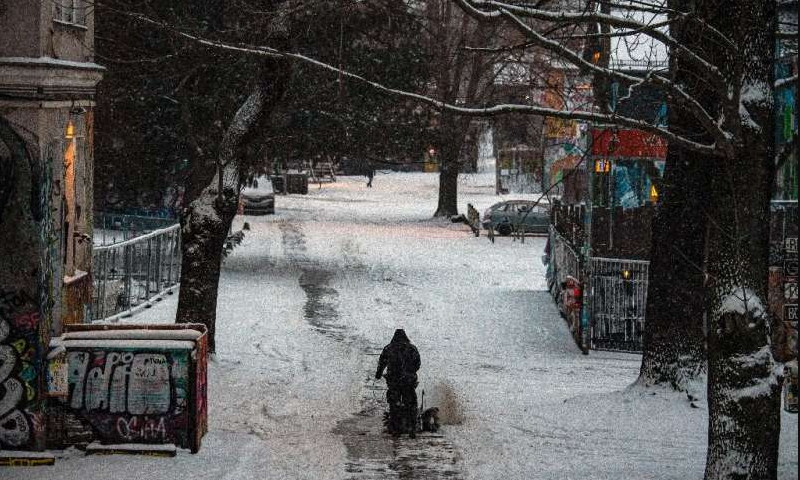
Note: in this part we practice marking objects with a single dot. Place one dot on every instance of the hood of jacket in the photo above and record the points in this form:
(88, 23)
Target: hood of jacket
(400, 336)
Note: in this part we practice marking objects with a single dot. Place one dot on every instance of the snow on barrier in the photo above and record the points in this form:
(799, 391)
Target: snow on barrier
(129, 384)
(127, 275)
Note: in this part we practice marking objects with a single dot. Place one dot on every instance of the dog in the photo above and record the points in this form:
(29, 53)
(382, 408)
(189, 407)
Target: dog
(430, 420)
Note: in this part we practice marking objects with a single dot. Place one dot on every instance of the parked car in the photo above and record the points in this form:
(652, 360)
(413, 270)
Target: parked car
(506, 217)
(258, 199)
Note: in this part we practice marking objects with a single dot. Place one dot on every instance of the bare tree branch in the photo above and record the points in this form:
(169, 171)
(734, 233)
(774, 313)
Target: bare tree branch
(697, 110)
(612, 118)
(489, 9)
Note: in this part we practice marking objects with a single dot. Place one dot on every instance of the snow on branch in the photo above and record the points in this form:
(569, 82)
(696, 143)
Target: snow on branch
(242, 123)
(721, 138)
(612, 118)
(493, 10)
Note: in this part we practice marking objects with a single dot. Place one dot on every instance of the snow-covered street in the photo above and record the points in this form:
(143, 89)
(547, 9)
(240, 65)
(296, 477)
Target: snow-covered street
(314, 292)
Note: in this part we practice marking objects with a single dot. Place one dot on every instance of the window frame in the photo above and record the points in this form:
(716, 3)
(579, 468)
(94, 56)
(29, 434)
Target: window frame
(69, 12)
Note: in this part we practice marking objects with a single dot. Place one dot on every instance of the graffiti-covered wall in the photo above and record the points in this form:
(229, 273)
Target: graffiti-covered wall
(131, 396)
(21, 402)
(24, 305)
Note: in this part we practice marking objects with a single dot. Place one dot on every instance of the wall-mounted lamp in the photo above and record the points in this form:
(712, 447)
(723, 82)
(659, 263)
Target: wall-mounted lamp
(76, 110)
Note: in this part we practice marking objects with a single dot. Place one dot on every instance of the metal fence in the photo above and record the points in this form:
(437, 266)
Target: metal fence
(110, 228)
(617, 302)
(565, 261)
(128, 274)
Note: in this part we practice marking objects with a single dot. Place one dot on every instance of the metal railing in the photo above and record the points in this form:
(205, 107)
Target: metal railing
(565, 261)
(618, 299)
(111, 228)
(128, 274)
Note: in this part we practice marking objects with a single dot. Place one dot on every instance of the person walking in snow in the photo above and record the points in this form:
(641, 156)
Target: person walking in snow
(400, 359)
(370, 174)
(474, 220)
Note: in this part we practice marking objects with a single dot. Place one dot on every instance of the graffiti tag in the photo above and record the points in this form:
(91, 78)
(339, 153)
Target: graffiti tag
(130, 395)
(17, 371)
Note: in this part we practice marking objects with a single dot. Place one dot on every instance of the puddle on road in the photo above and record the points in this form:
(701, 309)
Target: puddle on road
(372, 454)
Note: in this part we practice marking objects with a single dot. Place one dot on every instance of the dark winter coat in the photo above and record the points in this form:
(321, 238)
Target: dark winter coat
(400, 359)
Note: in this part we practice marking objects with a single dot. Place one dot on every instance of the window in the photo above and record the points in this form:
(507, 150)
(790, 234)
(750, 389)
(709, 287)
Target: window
(70, 11)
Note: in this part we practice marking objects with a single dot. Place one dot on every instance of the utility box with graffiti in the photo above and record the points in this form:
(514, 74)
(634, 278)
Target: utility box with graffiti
(118, 384)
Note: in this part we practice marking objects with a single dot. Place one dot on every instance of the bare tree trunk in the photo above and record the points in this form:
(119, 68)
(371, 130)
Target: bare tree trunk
(743, 378)
(448, 183)
(674, 341)
(203, 235)
(744, 381)
(207, 220)
(452, 136)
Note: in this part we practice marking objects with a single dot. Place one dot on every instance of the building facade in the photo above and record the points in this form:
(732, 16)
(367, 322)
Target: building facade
(47, 85)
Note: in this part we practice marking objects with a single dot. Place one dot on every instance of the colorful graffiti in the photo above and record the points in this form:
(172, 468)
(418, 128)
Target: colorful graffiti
(131, 396)
(21, 418)
(559, 166)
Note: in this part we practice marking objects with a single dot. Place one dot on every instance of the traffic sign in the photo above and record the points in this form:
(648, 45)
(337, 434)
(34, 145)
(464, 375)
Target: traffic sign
(790, 267)
(790, 290)
(790, 313)
(790, 245)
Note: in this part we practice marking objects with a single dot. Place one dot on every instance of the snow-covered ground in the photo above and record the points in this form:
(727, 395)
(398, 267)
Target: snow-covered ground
(314, 292)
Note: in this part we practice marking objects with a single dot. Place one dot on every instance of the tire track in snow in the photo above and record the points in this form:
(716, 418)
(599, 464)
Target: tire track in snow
(372, 453)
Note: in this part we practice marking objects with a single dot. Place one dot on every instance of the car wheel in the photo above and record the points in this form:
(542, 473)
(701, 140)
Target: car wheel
(504, 229)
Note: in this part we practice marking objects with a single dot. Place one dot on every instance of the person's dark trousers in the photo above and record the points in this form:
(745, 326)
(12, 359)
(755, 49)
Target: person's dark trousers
(395, 399)
(409, 394)
(402, 401)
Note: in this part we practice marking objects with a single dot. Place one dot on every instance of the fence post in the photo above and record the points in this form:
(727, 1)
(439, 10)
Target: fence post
(148, 271)
(159, 257)
(128, 274)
